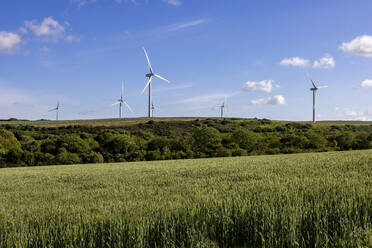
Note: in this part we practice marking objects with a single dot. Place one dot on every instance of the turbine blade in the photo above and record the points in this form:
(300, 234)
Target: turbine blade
(148, 61)
(52, 110)
(320, 87)
(311, 80)
(147, 85)
(126, 104)
(116, 103)
(155, 75)
(122, 90)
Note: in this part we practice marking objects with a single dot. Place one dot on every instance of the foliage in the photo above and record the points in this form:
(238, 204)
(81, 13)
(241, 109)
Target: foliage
(32, 145)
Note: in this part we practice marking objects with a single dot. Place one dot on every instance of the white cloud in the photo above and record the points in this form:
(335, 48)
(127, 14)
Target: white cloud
(8, 41)
(264, 85)
(295, 61)
(366, 83)
(326, 62)
(71, 39)
(49, 27)
(361, 45)
(173, 2)
(275, 100)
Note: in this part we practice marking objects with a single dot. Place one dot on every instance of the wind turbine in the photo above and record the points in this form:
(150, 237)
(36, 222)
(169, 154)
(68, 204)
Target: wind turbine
(150, 75)
(152, 109)
(56, 109)
(222, 107)
(314, 90)
(121, 102)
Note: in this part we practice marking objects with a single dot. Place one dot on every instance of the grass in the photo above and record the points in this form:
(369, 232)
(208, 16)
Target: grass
(301, 200)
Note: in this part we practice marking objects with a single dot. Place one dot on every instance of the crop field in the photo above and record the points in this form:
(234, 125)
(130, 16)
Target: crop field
(299, 200)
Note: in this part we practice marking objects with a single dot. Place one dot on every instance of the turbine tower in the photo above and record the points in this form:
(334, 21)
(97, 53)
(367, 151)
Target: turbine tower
(222, 107)
(56, 109)
(150, 75)
(121, 101)
(314, 90)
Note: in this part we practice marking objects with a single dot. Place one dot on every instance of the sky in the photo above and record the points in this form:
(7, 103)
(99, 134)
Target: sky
(255, 54)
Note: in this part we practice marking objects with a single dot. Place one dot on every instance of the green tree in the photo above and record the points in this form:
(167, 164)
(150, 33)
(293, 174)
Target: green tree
(206, 141)
(246, 139)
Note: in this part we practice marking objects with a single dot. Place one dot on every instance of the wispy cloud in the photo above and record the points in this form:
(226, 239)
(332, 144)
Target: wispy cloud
(173, 2)
(177, 87)
(71, 39)
(48, 30)
(81, 3)
(207, 98)
(357, 115)
(179, 26)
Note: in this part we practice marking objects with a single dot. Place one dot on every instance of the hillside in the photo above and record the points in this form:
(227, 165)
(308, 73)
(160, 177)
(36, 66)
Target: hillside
(294, 200)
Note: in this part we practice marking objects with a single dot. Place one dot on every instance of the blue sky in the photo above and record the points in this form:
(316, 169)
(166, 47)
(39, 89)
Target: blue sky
(255, 53)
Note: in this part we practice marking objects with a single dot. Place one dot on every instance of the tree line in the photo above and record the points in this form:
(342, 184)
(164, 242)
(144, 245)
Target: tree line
(28, 145)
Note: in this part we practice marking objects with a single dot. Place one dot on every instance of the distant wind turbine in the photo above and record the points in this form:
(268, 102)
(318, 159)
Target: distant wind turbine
(56, 109)
(121, 101)
(314, 90)
(150, 75)
(152, 109)
(222, 107)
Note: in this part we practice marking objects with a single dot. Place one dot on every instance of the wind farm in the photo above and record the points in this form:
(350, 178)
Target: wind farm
(214, 139)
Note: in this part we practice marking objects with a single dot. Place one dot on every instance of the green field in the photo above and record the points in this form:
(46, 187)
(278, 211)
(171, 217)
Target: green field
(299, 200)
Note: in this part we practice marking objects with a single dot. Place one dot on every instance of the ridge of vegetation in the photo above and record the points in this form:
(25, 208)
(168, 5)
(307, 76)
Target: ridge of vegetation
(100, 141)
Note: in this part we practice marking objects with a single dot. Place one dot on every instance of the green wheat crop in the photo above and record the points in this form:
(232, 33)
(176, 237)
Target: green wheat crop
(302, 200)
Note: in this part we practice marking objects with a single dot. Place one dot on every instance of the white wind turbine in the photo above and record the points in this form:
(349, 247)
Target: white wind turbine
(56, 109)
(150, 75)
(222, 107)
(121, 101)
(314, 90)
